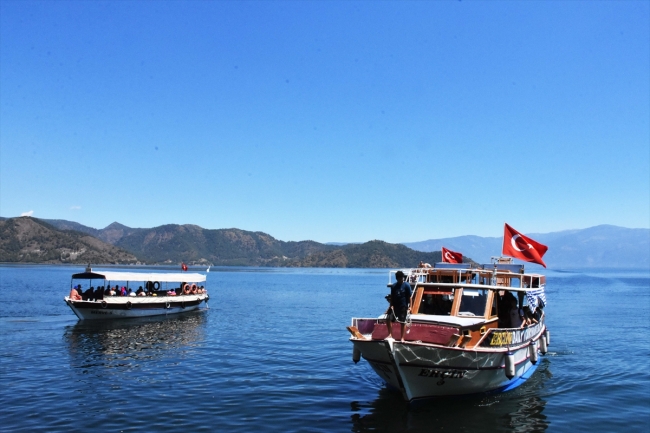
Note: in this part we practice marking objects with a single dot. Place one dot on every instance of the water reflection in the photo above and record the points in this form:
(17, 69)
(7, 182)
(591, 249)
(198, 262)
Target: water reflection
(521, 410)
(126, 344)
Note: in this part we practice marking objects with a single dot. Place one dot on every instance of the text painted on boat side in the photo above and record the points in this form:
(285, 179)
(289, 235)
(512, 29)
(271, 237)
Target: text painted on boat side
(507, 338)
(442, 374)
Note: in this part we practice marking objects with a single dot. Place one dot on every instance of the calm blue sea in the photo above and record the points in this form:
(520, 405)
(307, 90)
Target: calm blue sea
(272, 354)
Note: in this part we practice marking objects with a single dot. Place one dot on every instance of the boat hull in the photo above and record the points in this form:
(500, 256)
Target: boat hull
(133, 307)
(420, 370)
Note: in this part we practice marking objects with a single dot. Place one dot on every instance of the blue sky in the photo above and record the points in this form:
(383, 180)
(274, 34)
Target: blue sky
(331, 121)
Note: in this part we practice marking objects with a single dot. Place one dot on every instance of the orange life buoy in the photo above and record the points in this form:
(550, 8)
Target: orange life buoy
(186, 289)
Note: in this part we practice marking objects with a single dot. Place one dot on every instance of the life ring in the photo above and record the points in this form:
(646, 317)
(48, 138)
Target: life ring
(149, 286)
(194, 287)
(104, 304)
(167, 305)
(186, 289)
(156, 285)
(128, 305)
(183, 304)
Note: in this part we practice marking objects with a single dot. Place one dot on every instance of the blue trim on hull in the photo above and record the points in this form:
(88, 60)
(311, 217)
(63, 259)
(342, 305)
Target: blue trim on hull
(508, 387)
(520, 380)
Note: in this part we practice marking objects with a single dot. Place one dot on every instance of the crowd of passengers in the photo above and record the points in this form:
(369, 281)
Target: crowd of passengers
(93, 294)
(510, 314)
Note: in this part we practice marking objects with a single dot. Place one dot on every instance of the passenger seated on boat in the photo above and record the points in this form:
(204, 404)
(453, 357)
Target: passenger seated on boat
(74, 295)
(131, 293)
(529, 317)
(140, 292)
(88, 294)
(172, 292)
(123, 291)
(516, 314)
(99, 294)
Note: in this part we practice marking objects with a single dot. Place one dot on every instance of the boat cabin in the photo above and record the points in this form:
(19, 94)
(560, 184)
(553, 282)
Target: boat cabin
(457, 304)
(463, 291)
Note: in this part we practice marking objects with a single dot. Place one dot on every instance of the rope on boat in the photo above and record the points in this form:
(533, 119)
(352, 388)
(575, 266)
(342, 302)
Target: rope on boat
(408, 320)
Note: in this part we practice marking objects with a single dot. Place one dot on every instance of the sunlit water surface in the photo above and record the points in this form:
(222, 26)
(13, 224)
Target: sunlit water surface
(272, 354)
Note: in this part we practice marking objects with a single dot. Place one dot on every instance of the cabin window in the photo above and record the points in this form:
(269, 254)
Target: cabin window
(436, 303)
(473, 302)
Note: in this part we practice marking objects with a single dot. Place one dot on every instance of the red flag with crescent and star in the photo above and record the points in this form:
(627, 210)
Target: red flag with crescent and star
(184, 267)
(449, 256)
(520, 247)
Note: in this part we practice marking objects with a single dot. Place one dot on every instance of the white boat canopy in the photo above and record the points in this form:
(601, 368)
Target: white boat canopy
(140, 276)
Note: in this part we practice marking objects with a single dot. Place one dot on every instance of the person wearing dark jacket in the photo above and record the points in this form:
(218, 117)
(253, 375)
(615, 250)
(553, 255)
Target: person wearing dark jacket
(400, 304)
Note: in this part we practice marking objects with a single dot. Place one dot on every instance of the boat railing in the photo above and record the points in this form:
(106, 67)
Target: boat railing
(365, 325)
(499, 280)
(479, 286)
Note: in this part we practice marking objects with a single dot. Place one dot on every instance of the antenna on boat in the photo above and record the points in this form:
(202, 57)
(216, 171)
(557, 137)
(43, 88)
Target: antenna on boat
(208, 270)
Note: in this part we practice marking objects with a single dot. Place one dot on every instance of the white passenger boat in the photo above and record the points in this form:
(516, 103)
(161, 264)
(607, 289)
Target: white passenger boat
(158, 294)
(459, 339)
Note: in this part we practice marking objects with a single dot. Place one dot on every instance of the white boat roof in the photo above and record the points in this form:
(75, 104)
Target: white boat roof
(445, 320)
(140, 276)
(451, 320)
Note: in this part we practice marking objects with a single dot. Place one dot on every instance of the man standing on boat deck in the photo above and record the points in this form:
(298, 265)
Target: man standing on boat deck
(400, 304)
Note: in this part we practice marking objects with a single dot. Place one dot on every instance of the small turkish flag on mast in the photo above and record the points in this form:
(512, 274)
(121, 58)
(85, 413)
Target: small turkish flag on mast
(449, 256)
(184, 267)
(520, 247)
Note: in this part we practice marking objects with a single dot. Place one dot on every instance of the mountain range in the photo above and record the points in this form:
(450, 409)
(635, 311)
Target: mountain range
(27, 239)
(600, 246)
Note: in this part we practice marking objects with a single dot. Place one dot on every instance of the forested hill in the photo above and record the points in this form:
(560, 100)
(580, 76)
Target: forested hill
(29, 240)
(198, 246)
(373, 254)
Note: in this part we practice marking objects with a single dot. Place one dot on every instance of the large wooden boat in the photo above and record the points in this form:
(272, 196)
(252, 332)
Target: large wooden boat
(459, 339)
(158, 294)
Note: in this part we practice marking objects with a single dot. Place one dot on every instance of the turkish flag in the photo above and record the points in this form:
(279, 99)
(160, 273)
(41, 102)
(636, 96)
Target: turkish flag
(449, 256)
(520, 247)
(184, 267)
